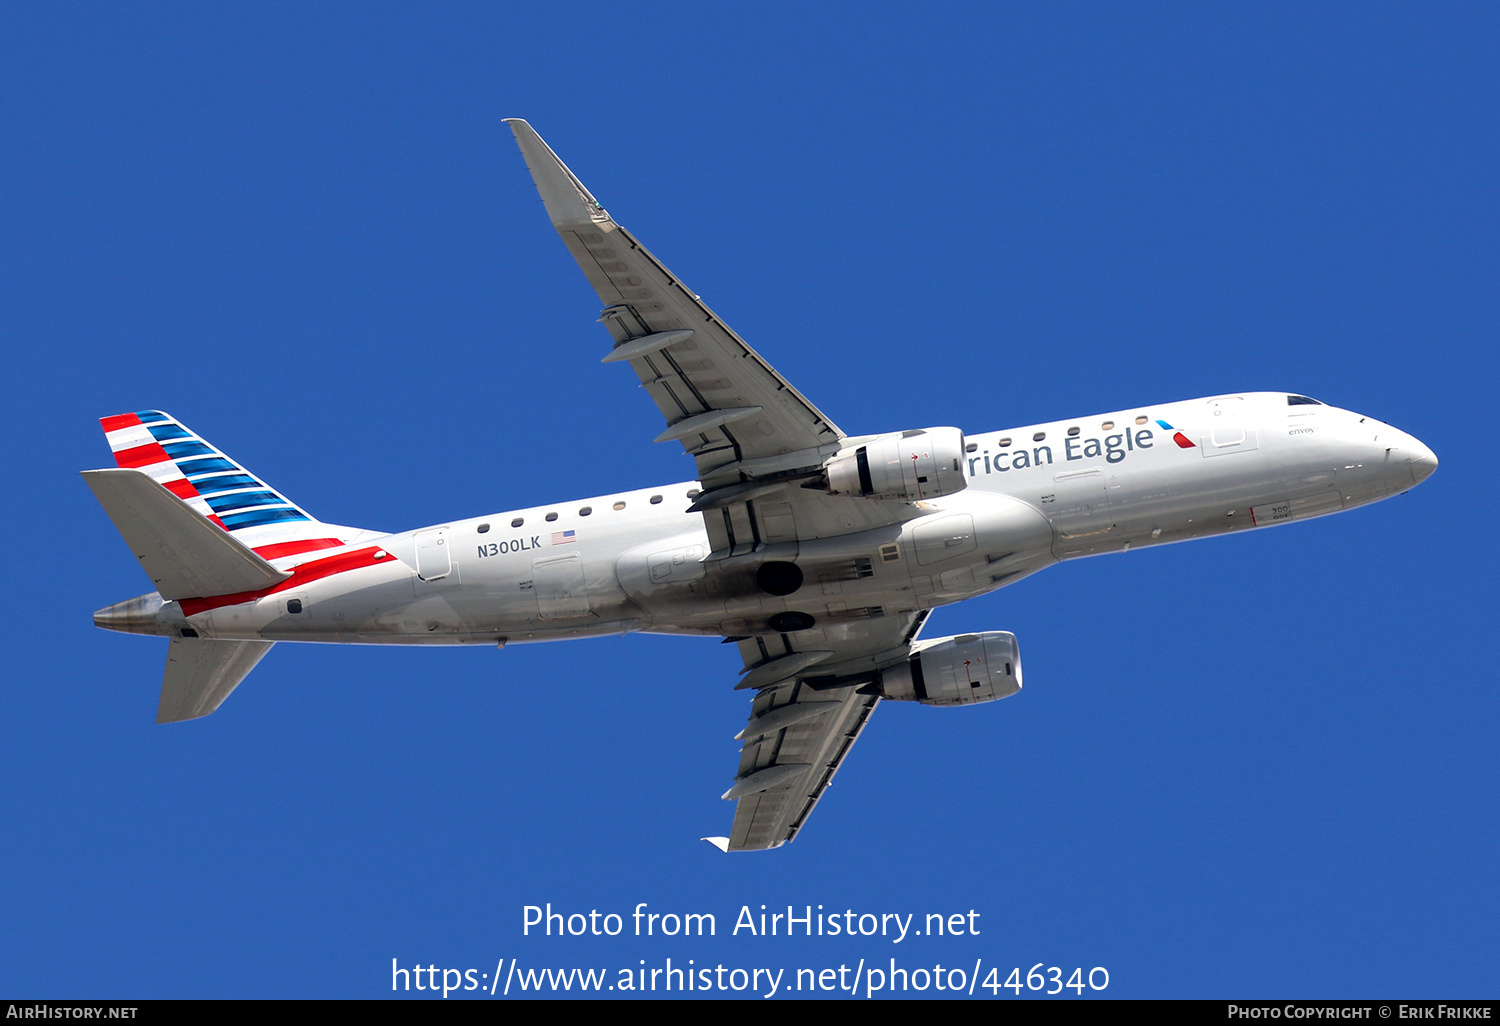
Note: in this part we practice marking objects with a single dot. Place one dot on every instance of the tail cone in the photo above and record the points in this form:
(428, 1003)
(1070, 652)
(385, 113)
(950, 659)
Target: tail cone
(133, 616)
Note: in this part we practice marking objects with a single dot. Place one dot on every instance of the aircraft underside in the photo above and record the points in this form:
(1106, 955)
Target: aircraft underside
(819, 554)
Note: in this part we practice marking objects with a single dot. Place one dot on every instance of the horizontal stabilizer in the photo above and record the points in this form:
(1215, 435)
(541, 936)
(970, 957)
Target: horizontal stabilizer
(184, 554)
(201, 674)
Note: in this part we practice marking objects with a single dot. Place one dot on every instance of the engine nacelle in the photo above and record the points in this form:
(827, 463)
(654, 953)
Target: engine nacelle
(912, 465)
(963, 670)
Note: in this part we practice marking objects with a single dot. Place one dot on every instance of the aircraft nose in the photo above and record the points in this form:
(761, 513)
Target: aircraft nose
(1423, 461)
(1407, 459)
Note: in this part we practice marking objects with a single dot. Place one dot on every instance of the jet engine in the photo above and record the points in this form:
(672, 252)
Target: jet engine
(911, 465)
(963, 670)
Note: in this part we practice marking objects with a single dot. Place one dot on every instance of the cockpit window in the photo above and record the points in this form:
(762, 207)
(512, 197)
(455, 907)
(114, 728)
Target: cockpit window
(1301, 400)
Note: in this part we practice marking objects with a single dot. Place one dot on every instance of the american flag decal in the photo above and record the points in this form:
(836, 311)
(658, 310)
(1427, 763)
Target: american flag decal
(564, 537)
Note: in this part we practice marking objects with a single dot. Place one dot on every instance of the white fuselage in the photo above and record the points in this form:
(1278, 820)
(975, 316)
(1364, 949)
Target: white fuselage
(637, 561)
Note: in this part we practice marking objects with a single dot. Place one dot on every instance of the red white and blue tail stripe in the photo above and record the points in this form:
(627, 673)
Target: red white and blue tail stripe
(216, 486)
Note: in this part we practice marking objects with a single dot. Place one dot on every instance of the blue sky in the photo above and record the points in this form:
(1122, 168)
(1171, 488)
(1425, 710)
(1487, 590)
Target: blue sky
(1255, 766)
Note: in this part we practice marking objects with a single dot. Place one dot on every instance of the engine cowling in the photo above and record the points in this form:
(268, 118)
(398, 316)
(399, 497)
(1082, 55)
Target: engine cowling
(963, 670)
(911, 465)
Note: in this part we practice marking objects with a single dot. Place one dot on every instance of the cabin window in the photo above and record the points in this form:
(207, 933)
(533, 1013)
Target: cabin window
(1072, 433)
(484, 528)
(1004, 442)
(551, 517)
(585, 511)
(655, 499)
(1141, 419)
(294, 605)
(518, 522)
(619, 505)
(1039, 436)
(1108, 425)
(693, 493)
(972, 447)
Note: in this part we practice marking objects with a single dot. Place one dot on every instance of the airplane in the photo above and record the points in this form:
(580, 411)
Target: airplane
(819, 554)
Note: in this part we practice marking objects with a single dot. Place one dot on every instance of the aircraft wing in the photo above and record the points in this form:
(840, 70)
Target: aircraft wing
(807, 715)
(755, 438)
(720, 399)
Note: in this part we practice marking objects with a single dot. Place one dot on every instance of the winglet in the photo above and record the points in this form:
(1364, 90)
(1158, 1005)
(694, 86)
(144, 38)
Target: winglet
(721, 843)
(568, 203)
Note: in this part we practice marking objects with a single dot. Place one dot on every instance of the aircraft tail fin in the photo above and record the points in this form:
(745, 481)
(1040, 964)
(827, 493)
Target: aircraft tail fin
(216, 487)
(201, 673)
